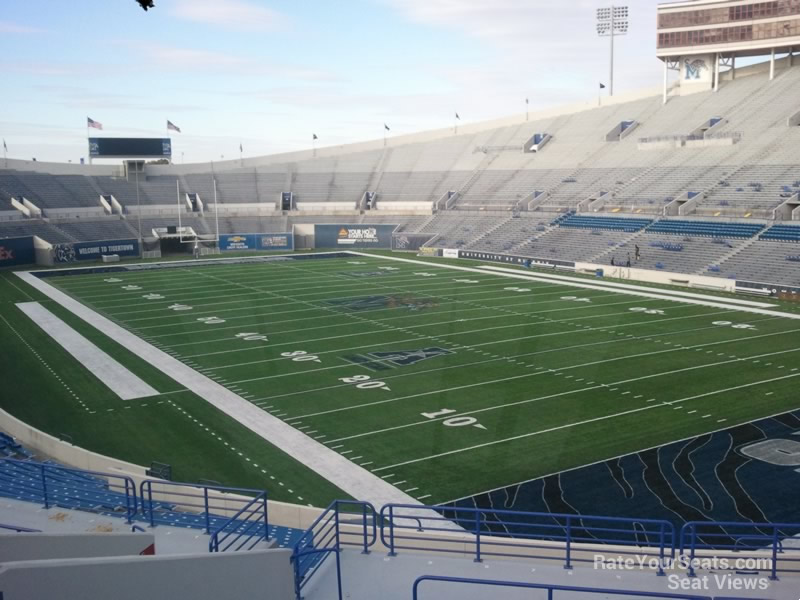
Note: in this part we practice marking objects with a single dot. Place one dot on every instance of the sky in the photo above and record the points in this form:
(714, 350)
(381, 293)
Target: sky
(268, 74)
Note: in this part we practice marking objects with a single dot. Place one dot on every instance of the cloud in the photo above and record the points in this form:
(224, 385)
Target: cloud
(544, 43)
(229, 14)
(9, 27)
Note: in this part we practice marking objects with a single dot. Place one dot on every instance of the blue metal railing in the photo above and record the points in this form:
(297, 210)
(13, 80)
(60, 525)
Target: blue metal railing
(515, 534)
(344, 523)
(164, 501)
(550, 588)
(762, 541)
(250, 525)
(56, 485)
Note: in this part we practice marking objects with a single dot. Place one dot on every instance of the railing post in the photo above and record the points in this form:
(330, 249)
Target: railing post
(693, 532)
(568, 565)
(130, 513)
(150, 503)
(44, 485)
(477, 535)
(266, 519)
(391, 531)
(205, 504)
(364, 524)
(338, 553)
(296, 560)
(774, 575)
(661, 572)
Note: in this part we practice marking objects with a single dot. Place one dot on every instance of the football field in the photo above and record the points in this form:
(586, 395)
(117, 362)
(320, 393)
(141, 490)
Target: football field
(447, 383)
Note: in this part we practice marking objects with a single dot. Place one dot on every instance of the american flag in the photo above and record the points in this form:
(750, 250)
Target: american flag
(172, 127)
(93, 123)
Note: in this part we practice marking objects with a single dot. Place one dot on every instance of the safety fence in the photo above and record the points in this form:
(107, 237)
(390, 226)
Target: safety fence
(552, 589)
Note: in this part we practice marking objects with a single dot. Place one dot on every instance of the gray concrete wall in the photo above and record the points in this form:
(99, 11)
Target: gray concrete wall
(41, 546)
(263, 574)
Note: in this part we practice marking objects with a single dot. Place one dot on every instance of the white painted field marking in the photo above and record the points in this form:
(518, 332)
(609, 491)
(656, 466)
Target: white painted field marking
(530, 400)
(111, 373)
(390, 329)
(579, 423)
(644, 292)
(349, 477)
(455, 298)
(471, 364)
(382, 320)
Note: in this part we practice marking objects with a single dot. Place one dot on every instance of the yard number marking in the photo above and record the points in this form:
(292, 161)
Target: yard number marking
(575, 299)
(153, 297)
(466, 281)
(131, 288)
(301, 356)
(211, 320)
(426, 274)
(364, 382)
(647, 311)
(112, 280)
(453, 421)
(517, 289)
(179, 307)
(389, 268)
(252, 337)
(734, 325)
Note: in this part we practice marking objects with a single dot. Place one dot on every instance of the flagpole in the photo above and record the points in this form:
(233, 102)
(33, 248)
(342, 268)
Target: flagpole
(527, 108)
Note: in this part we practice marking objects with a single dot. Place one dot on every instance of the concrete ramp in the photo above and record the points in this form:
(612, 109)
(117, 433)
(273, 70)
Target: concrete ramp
(117, 378)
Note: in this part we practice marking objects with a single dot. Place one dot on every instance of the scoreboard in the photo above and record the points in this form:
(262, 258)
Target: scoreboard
(108, 147)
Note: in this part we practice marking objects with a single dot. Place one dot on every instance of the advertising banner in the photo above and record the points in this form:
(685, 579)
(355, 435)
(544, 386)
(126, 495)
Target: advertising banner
(17, 251)
(67, 253)
(450, 253)
(353, 236)
(256, 241)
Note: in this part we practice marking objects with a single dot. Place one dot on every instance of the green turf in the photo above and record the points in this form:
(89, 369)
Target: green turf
(525, 383)
(46, 387)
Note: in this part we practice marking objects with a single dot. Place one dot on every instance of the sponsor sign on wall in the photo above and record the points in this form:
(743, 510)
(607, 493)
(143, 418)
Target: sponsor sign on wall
(450, 253)
(66, 253)
(17, 251)
(353, 236)
(256, 241)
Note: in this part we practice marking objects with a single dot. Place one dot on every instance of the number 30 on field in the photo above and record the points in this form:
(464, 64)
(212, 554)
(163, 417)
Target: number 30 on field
(453, 421)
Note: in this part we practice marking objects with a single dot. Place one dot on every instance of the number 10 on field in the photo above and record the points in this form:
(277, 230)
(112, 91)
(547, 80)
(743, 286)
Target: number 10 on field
(453, 421)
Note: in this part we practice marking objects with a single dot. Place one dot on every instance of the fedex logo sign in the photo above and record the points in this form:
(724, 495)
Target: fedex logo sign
(6, 254)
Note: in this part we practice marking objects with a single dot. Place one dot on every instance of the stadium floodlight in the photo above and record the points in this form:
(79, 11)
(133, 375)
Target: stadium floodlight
(611, 22)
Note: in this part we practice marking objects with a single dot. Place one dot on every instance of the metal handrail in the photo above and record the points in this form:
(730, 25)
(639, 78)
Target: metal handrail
(259, 503)
(473, 522)
(147, 492)
(48, 473)
(326, 536)
(690, 540)
(550, 588)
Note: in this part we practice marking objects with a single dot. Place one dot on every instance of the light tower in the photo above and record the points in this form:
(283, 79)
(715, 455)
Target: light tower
(612, 21)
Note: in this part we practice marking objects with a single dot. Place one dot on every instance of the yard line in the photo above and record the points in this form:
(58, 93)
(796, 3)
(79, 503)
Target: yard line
(406, 328)
(579, 423)
(530, 400)
(495, 358)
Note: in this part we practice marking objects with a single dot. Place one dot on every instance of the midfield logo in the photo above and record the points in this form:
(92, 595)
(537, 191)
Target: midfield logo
(379, 302)
(406, 358)
(383, 361)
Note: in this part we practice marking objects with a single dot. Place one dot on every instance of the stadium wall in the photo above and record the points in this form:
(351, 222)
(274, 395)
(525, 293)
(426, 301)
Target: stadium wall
(280, 513)
(660, 277)
(233, 576)
(17, 251)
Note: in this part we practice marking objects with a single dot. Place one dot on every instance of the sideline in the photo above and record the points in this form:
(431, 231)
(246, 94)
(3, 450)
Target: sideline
(343, 473)
(116, 377)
